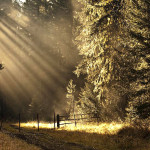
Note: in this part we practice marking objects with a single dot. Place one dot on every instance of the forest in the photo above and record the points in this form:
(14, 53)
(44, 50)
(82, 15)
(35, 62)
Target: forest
(83, 56)
(74, 75)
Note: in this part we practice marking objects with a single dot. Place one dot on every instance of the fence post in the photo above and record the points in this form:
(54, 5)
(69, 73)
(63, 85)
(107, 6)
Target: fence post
(97, 118)
(38, 121)
(19, 122)
(54, 120)
(75, 120)
(58, 121)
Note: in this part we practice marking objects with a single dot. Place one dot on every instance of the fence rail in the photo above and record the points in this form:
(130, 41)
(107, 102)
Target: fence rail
(59, 120)
(76, 118)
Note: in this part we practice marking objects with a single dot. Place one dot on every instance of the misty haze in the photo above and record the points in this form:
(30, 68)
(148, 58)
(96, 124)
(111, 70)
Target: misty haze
(39, 56)
(75, 74)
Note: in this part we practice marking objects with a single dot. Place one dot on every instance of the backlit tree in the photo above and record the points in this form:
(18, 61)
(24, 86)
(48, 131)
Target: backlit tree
(110, 38)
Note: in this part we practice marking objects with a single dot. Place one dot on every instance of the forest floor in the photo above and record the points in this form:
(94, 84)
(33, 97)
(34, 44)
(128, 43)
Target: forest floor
(128, 138)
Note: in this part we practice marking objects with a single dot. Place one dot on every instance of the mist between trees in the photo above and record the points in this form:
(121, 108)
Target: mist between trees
(102, 47)
(38, 54)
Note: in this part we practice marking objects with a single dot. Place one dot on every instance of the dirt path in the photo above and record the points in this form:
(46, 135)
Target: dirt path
(44, 141)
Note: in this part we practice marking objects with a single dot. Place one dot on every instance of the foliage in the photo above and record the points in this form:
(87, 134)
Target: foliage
(87, 101)
(70, 108)
(98, 32)
(139, 46)
(113, 39)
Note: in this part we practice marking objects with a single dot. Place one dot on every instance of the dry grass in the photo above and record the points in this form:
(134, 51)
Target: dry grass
(102, 137)
(9, 143)
(100, 128)
(127, 139)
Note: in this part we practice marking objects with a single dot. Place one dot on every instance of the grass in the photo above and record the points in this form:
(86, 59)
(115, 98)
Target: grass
(9, 143)
(126, 137)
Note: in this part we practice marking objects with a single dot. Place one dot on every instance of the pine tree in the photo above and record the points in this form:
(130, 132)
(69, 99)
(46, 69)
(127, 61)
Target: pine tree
(113, 40)
(100, 31)
(138, 45)
(70, 109)
(88, 103)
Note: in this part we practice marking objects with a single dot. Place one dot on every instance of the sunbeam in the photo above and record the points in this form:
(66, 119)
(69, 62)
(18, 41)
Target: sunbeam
(33, 57)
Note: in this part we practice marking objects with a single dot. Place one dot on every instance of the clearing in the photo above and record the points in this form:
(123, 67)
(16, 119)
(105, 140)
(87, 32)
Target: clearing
(126, 138)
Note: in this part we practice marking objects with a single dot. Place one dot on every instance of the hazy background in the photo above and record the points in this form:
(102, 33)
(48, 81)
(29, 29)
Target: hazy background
(38, 54)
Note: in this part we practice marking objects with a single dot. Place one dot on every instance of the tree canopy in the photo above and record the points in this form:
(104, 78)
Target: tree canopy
(113, 40)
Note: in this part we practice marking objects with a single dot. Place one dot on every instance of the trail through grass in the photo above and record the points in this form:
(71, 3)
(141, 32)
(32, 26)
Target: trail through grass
(9, 143)
(126, 138)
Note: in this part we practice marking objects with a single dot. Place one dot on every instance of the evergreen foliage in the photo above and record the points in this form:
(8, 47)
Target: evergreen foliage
(113, 39)
(70, 108)
(138, 45)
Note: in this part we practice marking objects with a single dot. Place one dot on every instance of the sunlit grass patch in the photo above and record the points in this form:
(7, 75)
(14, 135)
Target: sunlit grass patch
(34, 124)
(99, 128)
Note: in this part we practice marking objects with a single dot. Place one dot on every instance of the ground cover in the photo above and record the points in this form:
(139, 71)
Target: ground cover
(9, 143)
(126, 138)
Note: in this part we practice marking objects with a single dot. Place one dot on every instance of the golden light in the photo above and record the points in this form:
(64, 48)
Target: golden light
(99, 128)
(32, 66)
(34, 124)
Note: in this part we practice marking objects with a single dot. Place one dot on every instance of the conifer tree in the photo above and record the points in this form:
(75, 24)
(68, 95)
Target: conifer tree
(138, 44)
(98, 43)
(113, 39)
(70, 109)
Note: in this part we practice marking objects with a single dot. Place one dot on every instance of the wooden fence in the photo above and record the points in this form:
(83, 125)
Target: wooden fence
(63, 120)
(19, 122)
